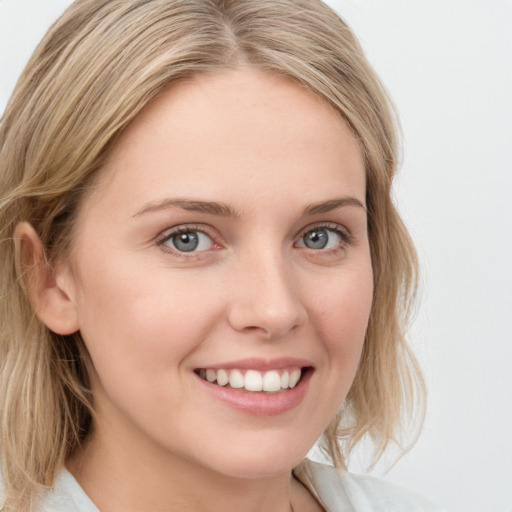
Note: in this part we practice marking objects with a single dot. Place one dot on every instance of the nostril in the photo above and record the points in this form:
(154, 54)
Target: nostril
(268, 322)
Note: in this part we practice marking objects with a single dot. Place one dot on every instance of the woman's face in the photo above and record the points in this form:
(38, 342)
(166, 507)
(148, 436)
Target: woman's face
(226, 239)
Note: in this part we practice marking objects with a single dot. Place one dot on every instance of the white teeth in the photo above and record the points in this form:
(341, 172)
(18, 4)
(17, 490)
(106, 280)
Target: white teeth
(271, 381)
(222, 377)
(236, 379)
(253, 380)
(294, 378)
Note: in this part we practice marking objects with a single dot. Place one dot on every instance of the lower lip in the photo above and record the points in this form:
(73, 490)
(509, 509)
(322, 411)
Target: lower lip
(260, 403)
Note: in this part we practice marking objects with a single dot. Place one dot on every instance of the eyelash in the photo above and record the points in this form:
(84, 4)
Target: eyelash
(344, 234)
(346, 237)
(187, 228)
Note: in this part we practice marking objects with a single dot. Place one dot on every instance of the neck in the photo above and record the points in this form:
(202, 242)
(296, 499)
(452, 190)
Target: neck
(139, 478)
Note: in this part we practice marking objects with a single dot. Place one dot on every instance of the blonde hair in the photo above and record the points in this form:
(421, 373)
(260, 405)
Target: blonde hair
(99, 65)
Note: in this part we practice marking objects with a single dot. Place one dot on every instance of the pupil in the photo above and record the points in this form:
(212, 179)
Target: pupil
(316, 239)
(186, 242)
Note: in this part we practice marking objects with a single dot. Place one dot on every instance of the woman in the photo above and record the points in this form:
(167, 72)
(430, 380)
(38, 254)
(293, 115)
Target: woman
(202, 268)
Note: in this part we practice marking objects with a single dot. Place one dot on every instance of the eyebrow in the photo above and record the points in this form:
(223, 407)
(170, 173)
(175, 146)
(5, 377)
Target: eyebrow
(224, 210)
(332, 204)
(193, 205)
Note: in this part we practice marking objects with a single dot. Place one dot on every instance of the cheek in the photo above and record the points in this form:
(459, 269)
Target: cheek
(339, 315)
(342, 314)
(131, 322)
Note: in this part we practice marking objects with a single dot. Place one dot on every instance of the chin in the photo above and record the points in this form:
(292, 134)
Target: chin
(263, 461)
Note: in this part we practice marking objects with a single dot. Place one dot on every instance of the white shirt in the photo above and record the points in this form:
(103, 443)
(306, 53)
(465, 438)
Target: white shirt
(336, 489)
(340, 491)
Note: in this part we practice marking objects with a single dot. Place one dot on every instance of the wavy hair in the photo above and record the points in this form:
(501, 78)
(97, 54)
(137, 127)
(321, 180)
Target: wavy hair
(98, 66)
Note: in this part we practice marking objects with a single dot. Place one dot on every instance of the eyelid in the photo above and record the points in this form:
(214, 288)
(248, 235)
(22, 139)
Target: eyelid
(168, 233)
(165, 235)
(339, 229)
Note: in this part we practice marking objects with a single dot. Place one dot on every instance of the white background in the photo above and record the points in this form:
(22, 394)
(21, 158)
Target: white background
(448, 65)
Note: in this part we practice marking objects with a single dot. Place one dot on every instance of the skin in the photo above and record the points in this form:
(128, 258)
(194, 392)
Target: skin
(266, 149)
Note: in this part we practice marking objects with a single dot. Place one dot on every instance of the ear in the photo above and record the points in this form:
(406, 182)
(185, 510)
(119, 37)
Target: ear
(48, 288)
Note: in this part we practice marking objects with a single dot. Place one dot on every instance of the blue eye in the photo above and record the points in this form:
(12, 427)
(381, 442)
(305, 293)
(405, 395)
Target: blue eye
(322, 238)
(188, 240)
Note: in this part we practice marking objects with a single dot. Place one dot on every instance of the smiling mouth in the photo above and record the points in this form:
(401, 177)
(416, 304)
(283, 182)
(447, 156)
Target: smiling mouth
(272, 381)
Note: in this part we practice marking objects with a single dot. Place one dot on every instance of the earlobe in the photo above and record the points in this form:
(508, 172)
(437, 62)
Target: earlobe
(48, 288)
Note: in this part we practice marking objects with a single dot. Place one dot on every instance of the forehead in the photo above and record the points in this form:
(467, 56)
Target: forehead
(227, 134)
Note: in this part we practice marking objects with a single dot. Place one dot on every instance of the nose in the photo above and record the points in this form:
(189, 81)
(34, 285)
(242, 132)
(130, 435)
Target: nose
(265, 298)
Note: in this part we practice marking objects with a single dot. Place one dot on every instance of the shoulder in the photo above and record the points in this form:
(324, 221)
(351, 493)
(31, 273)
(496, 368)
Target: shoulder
(337, 489)
(65, 496)
(68, 496)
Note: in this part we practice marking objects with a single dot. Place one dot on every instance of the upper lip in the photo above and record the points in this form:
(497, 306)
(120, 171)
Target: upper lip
(260, 364)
